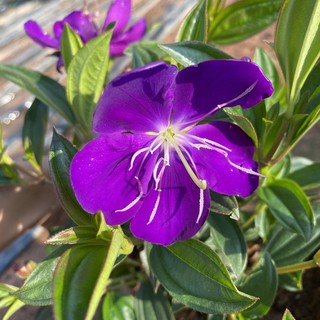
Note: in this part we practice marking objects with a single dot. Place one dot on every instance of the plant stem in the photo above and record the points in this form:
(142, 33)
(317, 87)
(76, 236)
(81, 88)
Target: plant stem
(297, 267)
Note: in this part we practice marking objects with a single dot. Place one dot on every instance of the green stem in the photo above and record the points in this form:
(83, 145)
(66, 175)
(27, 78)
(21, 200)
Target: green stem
(297, 267)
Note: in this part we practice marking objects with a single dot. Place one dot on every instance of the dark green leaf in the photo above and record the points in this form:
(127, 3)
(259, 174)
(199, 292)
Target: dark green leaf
(193, 52)
(291, 281)
(211, 289)
(144, 52)
(261, 281)
(34, 130)
(288, 248)
(307, 177)
(75, 278)
(70, 44)
(225, 205)
(243, 19)
(44, 88)
(227, 238)
(150, 305)
(61, 154)
(87, 74)
(297, 42)
(289, 205)
(195, 26)
(37, 289)
(118, 306)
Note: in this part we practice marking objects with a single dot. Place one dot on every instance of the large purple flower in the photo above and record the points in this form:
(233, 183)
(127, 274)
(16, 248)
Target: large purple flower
(152, 162)
(83, 24)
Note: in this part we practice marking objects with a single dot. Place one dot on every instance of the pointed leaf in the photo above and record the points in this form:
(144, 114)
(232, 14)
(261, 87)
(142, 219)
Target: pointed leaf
(287, 315)
(297, 42)
(195, 26)
(193, 52)
(87, 74)
(70, 44)
(61, 154)
(289, 205)
(44, 88)
(211, 289)
(225, 205)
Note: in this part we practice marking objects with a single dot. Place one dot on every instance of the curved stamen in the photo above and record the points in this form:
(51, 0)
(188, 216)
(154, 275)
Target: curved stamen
(201, 205)
(155, 208)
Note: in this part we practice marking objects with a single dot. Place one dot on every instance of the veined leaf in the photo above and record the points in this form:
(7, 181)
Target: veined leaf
(211, 289)
(118, 306)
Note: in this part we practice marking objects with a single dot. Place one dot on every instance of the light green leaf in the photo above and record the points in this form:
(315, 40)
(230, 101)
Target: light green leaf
(193, 52)
(211, 289)
(297, 42)
(242, 19)
(44, 88)
(13, 309)
(195, 26)
(118, 306)
(287, 315)
(87, 74)
(61, 154)
(151, 305)
(289, 205)
(70, 44)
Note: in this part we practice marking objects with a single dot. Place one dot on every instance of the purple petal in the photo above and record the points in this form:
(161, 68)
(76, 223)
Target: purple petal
(120, 12)
(220, 173)
(120, 43)
(204, 88)
(35, 32)
(137, 101)
(80, 22)
(178, 215)
(101, 178)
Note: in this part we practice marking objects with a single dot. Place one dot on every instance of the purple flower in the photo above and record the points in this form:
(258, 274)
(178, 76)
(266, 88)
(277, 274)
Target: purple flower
(152, 162)
(82, 23)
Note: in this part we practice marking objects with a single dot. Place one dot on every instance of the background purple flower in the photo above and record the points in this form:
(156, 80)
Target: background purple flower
(82, 23)
(153, 163)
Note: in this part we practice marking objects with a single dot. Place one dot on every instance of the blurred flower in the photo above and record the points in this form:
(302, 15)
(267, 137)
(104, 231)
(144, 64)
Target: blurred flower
(152, 161)
(82, 23)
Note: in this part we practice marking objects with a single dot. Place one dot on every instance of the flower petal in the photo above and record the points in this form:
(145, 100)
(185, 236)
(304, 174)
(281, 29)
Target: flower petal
(204, 88)
(101, 178)
(80, 22)
(220, 173)
(119, 11)
(177, 211)
(137, 101)
(35, 32)
(120, 43)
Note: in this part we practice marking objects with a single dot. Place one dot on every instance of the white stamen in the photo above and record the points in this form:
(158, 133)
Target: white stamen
(133, 158)
(155, 208)
(249, 171)
(201, 205)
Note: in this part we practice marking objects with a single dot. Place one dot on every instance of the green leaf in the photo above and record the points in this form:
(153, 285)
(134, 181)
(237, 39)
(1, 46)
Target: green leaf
(225, 205)
(75, 235)
(61, 154)
(44, 88)
(307, 177)
(34, 131)
(211, 289)
(118, 306)
(144, 52)
(70, 44)
(195, 26)
(242, 19)
(287, 315)
(228, 240)
(288, 248)
(151, 305)
(193, 52)
(261, 281)
(297, 42)
(13, 309)
(8, 175)
(87, 74)
(269, 68)
(37, 289)
(289, 205)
